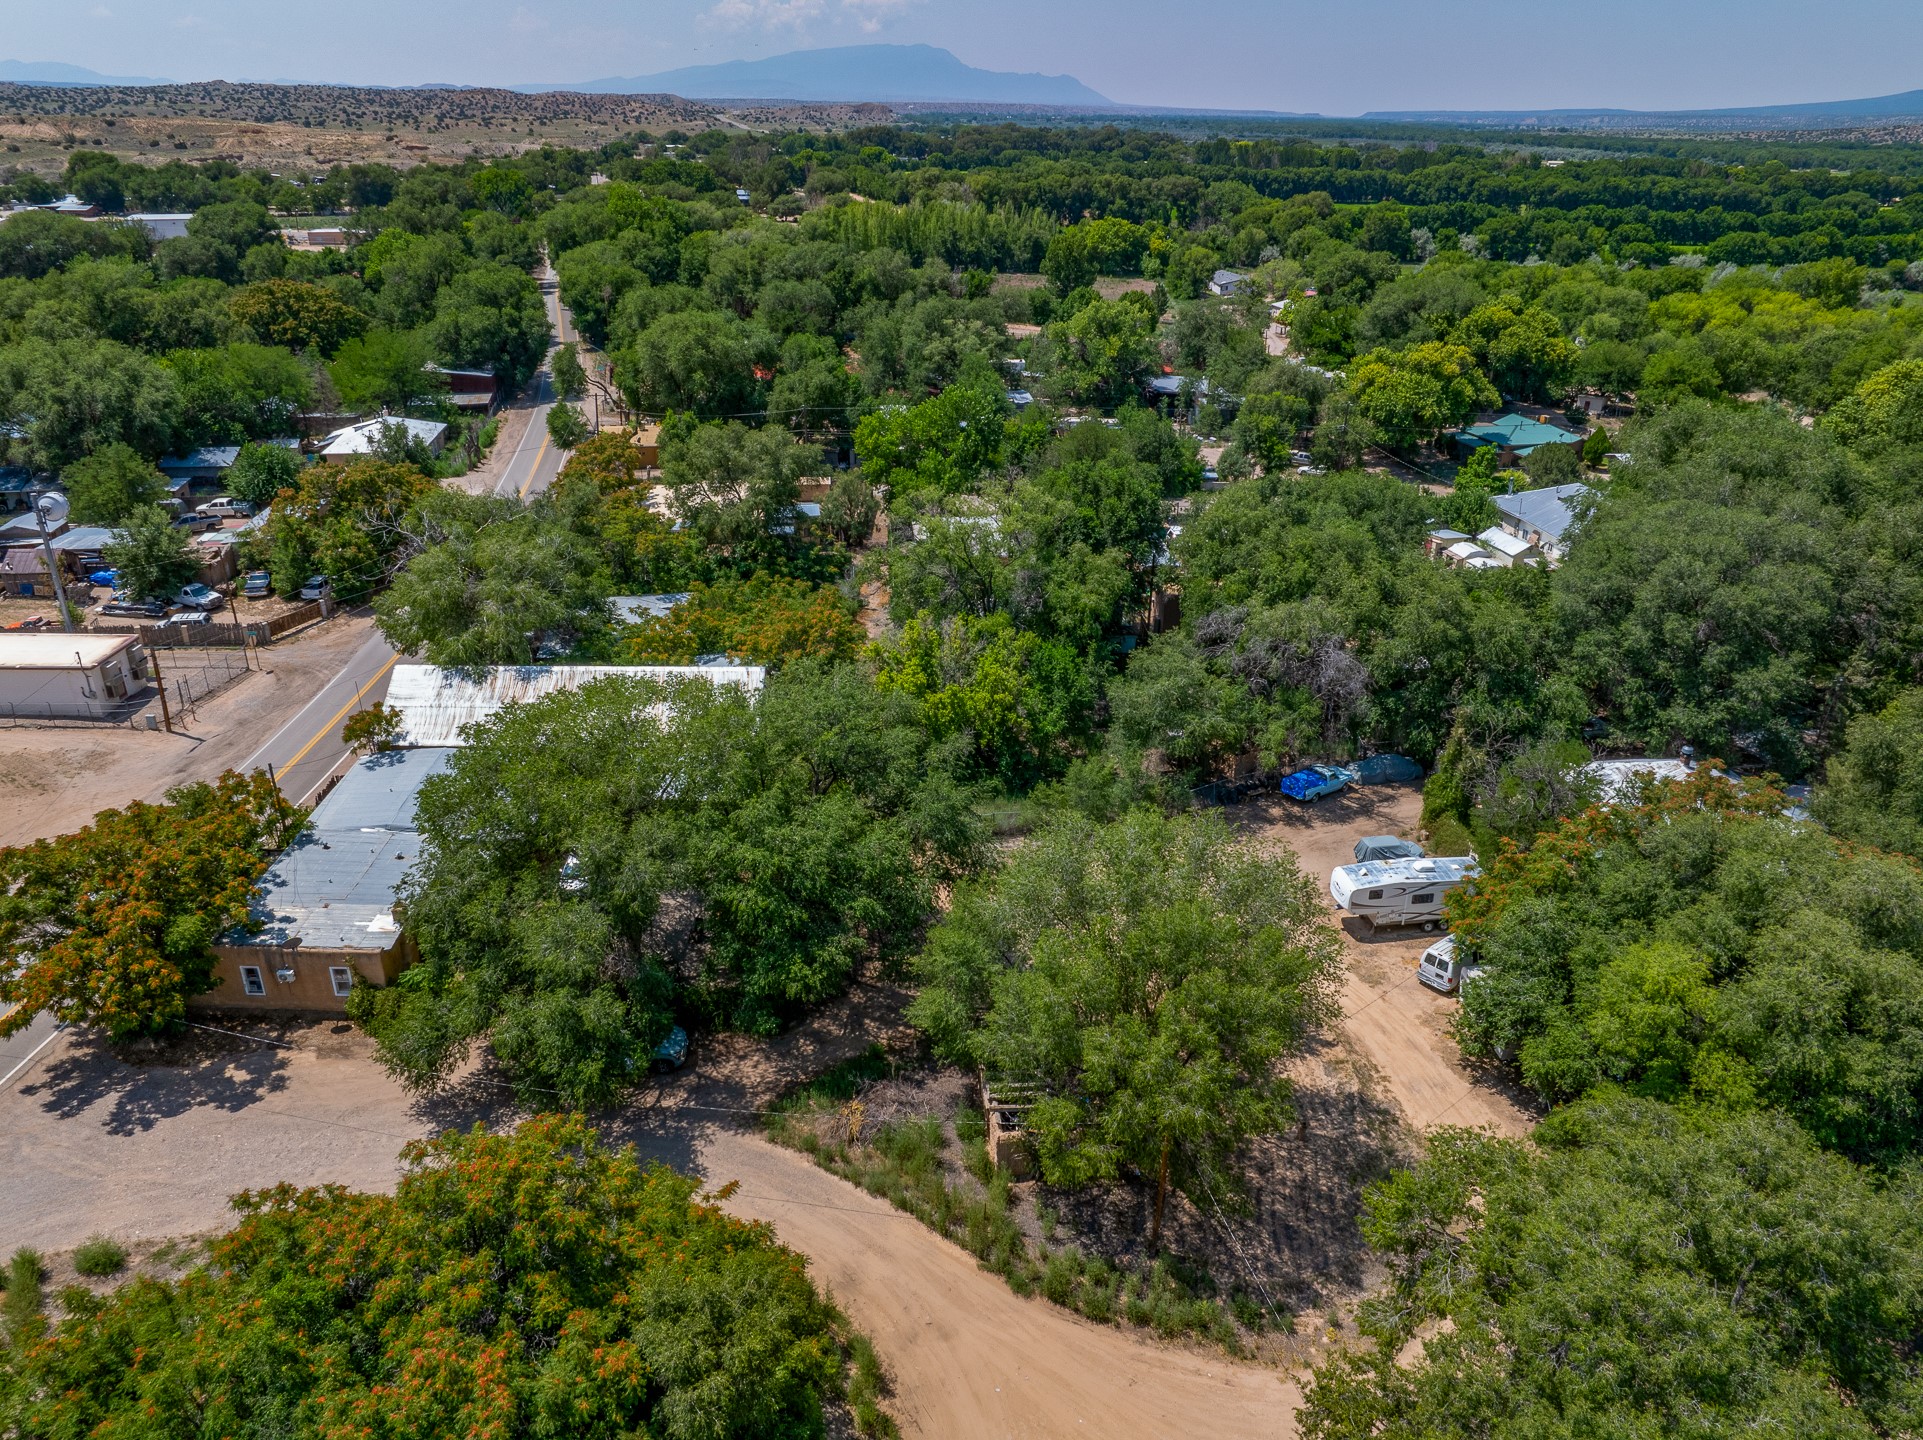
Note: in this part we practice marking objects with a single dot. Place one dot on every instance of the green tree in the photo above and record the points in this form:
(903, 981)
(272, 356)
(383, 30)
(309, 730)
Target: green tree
(491, 317)
(1411, 396)
(762, 621)
(297, 314)
(1885, 408)
(736, 489)
(63, 399)
(1639, 1270)
(1522, 349)
(114, 925)
(1103, 352)
(1017, 699)
(570, 380)
(111, 484)
(698, 361)
(385, 370)
(492, 580)
(152, 556)
(566, 428)
(944, 444)
(576, 843)
(643, 1309)
(1148, 976)
(261, 472)
(1873, 790)
(239, 392)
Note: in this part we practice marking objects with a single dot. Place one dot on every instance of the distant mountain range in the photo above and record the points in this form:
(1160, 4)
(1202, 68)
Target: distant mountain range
(1816, 115)
(908, 73)
(52, 72)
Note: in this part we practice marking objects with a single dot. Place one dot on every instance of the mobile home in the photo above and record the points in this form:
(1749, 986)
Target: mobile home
(1399, 892)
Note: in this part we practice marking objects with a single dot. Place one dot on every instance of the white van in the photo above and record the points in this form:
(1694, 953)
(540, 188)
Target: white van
(1442, 970)
(1400, 892)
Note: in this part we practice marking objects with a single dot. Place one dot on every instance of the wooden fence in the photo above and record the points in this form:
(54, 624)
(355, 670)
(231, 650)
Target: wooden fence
(219, 634)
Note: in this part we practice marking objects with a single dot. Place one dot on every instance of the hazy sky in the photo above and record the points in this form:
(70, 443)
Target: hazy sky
(1338, 57)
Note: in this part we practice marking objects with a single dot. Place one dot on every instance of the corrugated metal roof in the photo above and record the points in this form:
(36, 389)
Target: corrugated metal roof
(436, 705)
(1546, 511)
(333, 889)
(632, 609)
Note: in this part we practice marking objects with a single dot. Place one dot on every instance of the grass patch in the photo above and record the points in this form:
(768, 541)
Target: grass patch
(905, 1163)
(100, 1256)
(25, 1274)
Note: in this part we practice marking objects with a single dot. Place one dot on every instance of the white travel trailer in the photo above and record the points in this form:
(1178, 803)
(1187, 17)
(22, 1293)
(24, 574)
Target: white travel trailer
(1399, 892)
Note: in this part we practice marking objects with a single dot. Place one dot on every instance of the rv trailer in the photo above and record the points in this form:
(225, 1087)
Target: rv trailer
(1399, 892)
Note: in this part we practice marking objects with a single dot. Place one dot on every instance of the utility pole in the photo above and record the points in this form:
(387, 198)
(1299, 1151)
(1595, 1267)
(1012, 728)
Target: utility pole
(160, 684)
(52, 506)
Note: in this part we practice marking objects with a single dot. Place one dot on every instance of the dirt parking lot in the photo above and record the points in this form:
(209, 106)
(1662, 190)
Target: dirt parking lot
(54, 779)
(1395, 1024)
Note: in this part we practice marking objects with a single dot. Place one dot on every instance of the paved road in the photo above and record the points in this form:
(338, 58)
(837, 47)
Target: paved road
(306, 749)
(535, 462)
(19, 1052)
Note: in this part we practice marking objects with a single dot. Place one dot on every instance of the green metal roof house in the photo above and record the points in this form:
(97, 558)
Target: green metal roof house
(1516, 435)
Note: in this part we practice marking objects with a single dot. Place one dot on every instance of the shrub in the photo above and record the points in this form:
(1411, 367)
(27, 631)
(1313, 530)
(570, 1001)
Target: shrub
(100, 1256)
(24, 1274)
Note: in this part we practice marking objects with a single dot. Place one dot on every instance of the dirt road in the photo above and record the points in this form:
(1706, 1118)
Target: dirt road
(53, 781)
(970, 1357)
(90, 1145)
(1397, 1025)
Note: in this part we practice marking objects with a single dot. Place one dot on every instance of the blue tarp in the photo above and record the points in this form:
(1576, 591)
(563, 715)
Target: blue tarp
(1386, 770)
(1307, 784)
(1386, 847)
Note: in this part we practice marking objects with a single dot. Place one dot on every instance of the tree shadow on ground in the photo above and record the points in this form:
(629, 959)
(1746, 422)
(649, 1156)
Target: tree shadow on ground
(729, 1081)
(1293, 1234)
(139, 1096)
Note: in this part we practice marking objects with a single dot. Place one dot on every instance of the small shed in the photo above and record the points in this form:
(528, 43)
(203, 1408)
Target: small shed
(56, 676)
(23, 573)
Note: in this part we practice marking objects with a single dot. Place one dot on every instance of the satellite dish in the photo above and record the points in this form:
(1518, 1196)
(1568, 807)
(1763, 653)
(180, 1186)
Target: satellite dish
(53, 507)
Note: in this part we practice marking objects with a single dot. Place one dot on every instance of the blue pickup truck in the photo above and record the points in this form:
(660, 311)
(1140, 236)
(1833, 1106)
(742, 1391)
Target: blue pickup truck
(1312, 782)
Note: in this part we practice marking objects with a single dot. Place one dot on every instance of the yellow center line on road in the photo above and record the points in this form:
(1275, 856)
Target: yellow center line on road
(536, 468)
(339, 714)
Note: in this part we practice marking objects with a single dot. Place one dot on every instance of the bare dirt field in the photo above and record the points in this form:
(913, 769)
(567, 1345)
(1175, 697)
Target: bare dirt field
(294, 129)
(53, 780)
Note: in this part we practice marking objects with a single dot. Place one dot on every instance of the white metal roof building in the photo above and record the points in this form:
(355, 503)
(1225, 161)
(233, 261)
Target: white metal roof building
(353, 441)
(1618, 781)
(436, 705)
(52, 675)
(633, 609)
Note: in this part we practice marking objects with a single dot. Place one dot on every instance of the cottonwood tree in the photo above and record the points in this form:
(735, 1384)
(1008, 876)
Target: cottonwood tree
(1639, 1270)
(598, 857)
(1147, 977)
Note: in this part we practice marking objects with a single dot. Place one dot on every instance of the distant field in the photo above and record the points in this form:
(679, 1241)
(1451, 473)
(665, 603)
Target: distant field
(290, 128)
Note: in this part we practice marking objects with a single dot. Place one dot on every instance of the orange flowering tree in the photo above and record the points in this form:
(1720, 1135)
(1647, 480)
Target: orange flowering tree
(113, 925)
(536, 1283)
(763, 621)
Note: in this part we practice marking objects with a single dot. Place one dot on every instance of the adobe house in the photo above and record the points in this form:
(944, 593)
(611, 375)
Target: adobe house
(325, 920)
